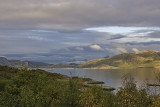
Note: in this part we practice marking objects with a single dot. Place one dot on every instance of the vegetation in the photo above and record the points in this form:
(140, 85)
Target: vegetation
(37, 88)
(30, 64)
(142, 59)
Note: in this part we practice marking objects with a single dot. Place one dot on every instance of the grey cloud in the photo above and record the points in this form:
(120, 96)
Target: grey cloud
(51, 46)
(154, 34)
(140, 46)
(115, 37)
(73, 15)
(144, 43)
(44, 41)
(147, 31)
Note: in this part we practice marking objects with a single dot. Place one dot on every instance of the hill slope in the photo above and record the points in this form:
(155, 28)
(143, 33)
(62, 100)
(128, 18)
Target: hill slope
(145, 58)
(17, 63)
(31, 64)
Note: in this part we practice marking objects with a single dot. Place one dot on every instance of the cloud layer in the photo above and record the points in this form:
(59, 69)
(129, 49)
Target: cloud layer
(73, 15)
(57, 47)
(64, 30)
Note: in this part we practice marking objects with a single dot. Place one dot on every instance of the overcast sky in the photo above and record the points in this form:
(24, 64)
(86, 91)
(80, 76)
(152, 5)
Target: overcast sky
(58, 31)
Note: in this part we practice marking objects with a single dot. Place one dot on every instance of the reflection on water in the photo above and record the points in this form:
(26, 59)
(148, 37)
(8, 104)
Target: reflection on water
(111, 77)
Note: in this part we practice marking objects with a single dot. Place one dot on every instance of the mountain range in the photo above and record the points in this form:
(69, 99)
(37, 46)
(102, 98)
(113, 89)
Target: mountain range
(31, 64)
(21, 64)
(140, 59)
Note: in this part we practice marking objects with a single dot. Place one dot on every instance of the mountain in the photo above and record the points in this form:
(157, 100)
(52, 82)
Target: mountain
(141, 59)
(3, 61)
(17, 63)
(31, 64)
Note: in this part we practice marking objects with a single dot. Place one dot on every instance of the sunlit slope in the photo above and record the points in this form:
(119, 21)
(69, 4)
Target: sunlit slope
(145, 58)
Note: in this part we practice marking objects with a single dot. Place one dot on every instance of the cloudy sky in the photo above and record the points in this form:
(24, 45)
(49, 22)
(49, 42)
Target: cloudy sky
(59, 31)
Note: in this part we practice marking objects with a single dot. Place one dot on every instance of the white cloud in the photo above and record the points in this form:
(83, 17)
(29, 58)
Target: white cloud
(135, 50)
(122, 50)
(95, 47)
(121, 30)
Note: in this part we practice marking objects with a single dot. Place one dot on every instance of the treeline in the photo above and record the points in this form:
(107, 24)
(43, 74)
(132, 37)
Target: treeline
(37, 88)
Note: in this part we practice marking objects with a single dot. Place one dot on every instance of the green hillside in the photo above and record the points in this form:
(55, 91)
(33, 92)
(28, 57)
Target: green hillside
(145, 58)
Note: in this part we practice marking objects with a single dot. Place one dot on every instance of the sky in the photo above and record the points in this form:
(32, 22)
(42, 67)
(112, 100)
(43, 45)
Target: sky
(65, 31)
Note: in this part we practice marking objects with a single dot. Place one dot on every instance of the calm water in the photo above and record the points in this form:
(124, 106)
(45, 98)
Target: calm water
(111, 77)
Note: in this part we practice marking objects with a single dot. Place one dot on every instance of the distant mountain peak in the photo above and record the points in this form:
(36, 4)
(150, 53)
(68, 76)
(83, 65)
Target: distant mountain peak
(2, 58)
(3, 61)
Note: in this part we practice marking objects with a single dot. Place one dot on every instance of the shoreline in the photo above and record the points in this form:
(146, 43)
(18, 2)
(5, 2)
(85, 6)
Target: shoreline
(96, 68)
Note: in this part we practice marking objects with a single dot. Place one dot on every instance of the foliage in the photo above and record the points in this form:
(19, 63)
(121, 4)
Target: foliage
(130, 96)
(96, 97)
(37, 88)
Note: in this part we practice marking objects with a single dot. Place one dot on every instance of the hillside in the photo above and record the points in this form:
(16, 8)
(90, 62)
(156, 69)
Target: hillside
(142, 59)
(31, 64)
(20, 64)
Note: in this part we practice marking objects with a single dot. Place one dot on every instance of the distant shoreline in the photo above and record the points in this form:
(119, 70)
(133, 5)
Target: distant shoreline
(100, 68)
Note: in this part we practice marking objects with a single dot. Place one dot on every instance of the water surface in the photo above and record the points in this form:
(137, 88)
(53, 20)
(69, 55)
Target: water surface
(112, 77)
